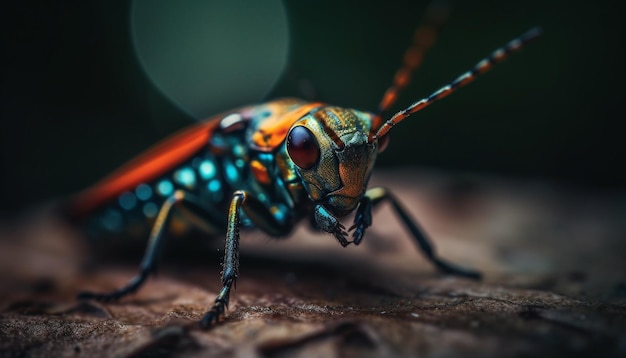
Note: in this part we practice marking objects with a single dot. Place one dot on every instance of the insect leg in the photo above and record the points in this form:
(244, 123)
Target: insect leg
(264, 220)
(180, 199)
(363, 219)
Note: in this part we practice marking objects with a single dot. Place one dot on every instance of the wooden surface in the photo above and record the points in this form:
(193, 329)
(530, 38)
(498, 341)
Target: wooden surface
(553, 259)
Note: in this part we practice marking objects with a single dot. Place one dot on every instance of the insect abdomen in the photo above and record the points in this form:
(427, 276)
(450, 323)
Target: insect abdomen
(134, 210)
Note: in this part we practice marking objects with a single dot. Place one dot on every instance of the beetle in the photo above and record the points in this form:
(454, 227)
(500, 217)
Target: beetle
(268, 166)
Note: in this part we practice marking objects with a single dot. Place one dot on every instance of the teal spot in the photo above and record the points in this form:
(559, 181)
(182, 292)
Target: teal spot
(231, 172)
(279, 213)
(262, 197)
(112, 220)
(240, 163)
(207, 169)
(218, 141)
(214, 186)
(150, 210)
(239, 150)
(266, 157)
(165, 188)
(185, 177)
(143, 192)
(127, 200)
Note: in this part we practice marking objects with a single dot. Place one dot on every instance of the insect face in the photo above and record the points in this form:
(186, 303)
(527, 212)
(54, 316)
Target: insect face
(333, 156)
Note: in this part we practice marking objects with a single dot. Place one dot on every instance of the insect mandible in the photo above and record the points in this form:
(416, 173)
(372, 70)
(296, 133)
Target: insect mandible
(268, 166)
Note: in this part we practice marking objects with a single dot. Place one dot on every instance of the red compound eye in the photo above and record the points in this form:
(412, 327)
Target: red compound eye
(302, 147)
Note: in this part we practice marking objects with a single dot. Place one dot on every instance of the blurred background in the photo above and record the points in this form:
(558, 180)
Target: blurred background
(85, 86)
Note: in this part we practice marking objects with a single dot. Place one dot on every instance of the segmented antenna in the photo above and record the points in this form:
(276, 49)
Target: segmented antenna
(423, 38)
(481, 67)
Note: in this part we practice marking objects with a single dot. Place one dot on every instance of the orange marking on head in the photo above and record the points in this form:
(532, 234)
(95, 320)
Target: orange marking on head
(273, 131)
(260, 172)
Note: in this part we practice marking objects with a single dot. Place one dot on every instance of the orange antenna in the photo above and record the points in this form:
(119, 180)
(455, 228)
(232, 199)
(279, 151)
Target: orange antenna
(423, 38)
(481, 67)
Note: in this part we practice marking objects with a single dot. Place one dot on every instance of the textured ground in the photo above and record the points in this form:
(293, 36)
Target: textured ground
(553, 259)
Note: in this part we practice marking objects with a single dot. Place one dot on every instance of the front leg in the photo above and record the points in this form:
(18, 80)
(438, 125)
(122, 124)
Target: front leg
(362, 219)
(264, 220)
(231, 261)
(326, 221)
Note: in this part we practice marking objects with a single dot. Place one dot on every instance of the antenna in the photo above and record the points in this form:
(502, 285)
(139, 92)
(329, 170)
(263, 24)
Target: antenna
(423, 38)
(481, 67)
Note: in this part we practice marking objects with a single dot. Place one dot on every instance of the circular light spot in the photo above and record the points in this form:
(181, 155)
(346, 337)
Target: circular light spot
(214, 185)
(112, 220)
(143, 192)
(127, 200)
(185, 177)
(150, 210)
(194, 50)
(231, 171)
(165, 187)
(207, 169)
(239, 150)
(278, 212)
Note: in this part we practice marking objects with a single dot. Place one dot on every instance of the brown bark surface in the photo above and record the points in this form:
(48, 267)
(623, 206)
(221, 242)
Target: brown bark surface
(553, 260)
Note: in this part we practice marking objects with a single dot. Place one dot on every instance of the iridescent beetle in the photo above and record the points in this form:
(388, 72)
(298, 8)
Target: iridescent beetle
(268, 166)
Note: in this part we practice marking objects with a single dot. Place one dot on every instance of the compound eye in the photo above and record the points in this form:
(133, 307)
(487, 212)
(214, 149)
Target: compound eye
(302, 147)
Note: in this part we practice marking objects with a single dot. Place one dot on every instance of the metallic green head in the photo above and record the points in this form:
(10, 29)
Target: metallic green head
(334, 156)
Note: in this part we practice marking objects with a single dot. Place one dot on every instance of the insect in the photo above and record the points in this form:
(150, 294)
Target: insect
(269, 166)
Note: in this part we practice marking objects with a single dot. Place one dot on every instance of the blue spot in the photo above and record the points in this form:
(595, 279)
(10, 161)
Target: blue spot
(143, 192)
(214, 186)
(185, 177)
(218, 141)
(266, 157)
(231, 171)
(165, 188)
(150, 210)
(207, 170)
(112, 220)
(279, 212)
(239, 150)
(279, 215)
(127, 200)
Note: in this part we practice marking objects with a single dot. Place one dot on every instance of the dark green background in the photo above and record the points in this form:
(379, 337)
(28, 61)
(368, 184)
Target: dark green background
(75, 103)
